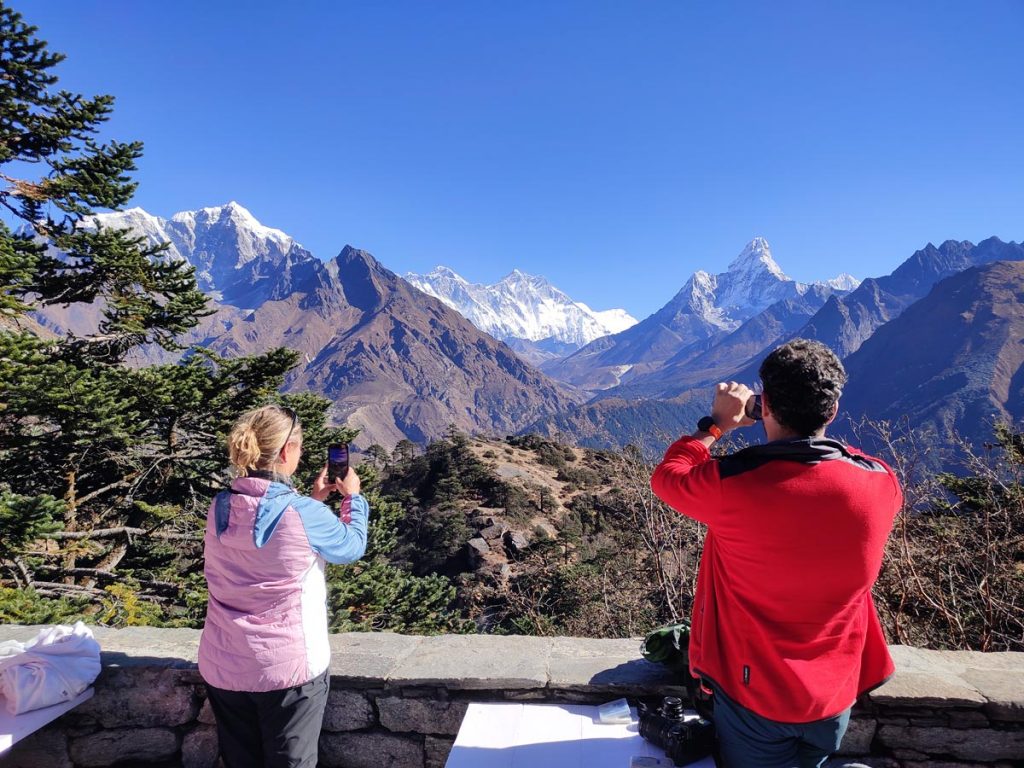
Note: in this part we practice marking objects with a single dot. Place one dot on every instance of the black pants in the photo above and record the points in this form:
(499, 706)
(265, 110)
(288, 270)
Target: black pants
(273, 729)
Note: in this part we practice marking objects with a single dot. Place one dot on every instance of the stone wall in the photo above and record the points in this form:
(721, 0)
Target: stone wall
(397, 701)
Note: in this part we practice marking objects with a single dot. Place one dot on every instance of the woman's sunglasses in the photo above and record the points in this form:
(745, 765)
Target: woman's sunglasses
(295, 420)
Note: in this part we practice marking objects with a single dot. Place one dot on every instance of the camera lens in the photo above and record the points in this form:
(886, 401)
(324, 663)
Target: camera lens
(672, 708)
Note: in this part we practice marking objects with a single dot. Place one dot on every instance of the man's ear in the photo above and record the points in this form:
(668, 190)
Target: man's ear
(766, 409)
(835, 411)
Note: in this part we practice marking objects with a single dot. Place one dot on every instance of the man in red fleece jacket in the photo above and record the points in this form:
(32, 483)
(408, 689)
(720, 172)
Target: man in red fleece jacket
(784, 629)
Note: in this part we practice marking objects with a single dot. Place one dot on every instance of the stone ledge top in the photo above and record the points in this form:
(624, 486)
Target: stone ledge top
(993, 682)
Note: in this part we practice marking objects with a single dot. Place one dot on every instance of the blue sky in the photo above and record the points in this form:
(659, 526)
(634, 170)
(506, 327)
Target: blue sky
(612, 147)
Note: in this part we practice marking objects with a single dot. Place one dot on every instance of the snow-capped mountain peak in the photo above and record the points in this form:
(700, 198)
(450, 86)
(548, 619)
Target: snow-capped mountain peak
(752, 282)
(235, 214)
(757, 257)
(521, 306)
(843, 282)
(447, 272)
(229, 247)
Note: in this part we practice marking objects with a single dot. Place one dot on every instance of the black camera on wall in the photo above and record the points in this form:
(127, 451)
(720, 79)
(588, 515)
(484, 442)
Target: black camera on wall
(684, 741)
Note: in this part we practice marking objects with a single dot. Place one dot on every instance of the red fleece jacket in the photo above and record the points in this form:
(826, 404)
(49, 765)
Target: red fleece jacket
(783, 619)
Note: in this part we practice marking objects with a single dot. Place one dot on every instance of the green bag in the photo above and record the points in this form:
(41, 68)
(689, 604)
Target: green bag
(669, 645)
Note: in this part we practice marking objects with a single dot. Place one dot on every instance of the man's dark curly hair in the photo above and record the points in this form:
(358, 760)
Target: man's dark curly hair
(802, 379)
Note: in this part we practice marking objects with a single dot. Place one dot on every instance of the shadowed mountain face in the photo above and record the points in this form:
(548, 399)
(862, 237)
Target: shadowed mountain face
(844, 323)
(952, 362)
(396, 362)
(408, 366)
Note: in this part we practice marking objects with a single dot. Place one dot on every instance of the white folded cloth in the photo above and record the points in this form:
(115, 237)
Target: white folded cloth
(55, 666)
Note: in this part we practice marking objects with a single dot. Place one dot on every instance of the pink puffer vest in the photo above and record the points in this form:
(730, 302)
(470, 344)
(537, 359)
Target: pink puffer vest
(266, 624)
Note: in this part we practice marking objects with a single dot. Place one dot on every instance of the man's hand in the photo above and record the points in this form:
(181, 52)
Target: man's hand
(729, 409)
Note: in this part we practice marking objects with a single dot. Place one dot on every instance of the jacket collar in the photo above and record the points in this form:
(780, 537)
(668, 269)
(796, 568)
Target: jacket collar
(261, 482)
(802, 450)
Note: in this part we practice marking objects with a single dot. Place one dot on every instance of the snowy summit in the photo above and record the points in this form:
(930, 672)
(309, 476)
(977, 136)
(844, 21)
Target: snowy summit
(522, 306)
(752, 283)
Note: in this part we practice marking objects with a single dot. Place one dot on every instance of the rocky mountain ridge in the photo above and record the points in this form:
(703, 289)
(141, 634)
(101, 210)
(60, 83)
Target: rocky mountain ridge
(397, 363)
(526, 311)
(706, 308)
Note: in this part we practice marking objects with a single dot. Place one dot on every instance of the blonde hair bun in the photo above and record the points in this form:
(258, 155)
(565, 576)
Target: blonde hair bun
(257, 437)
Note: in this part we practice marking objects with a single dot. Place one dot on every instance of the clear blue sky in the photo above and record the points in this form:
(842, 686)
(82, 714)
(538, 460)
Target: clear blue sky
(613, 147)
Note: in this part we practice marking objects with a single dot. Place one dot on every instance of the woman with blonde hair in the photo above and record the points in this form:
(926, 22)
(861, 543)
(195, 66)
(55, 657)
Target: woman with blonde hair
(264, 650)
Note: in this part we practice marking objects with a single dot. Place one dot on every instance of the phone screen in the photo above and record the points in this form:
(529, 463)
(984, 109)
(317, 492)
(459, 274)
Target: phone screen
(337, 461)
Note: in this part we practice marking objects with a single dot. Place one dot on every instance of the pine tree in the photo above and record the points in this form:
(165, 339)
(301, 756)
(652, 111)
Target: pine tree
(106, 470)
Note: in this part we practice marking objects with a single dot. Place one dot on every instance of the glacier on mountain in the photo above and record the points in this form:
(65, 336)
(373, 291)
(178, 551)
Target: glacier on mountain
(752, 282)
(522, 306)
(230, 249)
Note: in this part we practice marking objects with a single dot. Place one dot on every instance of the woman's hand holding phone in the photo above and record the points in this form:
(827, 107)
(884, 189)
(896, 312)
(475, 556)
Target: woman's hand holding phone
(321, 487)
(350, 484)
(347, 486)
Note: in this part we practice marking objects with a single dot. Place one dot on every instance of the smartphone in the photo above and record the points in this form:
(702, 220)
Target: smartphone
(337, 461)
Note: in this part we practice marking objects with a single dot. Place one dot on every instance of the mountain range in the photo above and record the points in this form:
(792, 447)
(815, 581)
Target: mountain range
(936, 343)
(707, 308)
(397, 363)
(951, 363)
(933, 346)
(525, 311)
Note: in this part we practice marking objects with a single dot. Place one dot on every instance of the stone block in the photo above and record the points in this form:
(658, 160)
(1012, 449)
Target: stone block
(46, 747)
(521, 695)
(367, 659)
(417, 692)
(959, 662)
(910, 659)
(421, 715)
(858, 738)
(370, 750)
(142, 697)
(149, 647)
(20, 633)
(121, 745)
(933, 688)
(970, 718)
(984, 745)
(624, 649)
(606, 666)
(909, 754)
(1004, 690)
(199, 748)
(929, 722)
(435, 751)
(347, 711)
(468, 662)
(206, 716)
